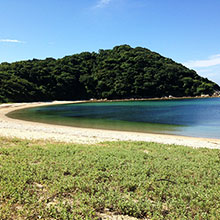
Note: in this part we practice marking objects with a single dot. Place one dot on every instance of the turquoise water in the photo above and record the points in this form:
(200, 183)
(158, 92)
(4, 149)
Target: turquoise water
(188, 117)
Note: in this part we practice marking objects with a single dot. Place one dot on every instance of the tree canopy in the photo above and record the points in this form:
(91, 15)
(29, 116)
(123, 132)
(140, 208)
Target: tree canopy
(122, 72)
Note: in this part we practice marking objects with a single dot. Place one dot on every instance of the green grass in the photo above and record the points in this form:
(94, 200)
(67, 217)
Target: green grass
(71, 181)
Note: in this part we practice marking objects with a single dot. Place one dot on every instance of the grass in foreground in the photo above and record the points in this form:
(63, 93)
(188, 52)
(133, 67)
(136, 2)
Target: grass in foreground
(143, 180)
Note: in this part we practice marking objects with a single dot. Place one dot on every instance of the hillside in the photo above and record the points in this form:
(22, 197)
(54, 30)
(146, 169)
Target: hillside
(122, 72)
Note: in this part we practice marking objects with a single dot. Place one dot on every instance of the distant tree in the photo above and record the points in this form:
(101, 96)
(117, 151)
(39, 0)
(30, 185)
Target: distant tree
(123, 72)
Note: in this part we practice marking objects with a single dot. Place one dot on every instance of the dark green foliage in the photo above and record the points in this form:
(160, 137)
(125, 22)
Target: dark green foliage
(122, 72)
(142, 180)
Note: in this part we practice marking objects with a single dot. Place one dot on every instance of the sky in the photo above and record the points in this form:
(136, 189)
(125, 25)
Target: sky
(186, 31)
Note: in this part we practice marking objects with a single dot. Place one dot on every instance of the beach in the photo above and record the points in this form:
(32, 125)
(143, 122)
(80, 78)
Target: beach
(15, 128)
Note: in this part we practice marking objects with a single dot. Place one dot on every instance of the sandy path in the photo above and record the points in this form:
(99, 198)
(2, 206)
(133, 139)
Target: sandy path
(33, 130)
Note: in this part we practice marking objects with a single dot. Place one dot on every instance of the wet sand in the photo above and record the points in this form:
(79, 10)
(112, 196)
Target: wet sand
(39, 131)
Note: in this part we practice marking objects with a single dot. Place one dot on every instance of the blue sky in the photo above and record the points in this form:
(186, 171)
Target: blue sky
(187, 31)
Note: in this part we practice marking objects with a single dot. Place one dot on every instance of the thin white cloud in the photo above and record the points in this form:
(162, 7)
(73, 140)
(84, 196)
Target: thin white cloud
(211, 61)
(212, 72)
(102, 3)
(10, 41)
(209, 68)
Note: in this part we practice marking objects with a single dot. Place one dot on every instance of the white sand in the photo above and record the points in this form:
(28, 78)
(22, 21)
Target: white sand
(39, 131)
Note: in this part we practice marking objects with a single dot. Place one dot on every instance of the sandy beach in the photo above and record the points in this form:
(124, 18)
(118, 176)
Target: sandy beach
(39, 131)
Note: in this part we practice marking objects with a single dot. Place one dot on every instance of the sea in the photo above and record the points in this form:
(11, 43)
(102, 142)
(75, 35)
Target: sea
(185, 117)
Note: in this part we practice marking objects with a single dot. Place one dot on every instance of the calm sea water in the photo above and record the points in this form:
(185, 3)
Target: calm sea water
(189, 117)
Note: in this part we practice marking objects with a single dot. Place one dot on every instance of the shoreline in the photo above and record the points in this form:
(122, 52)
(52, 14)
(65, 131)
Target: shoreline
(153, 99)
(40, 131)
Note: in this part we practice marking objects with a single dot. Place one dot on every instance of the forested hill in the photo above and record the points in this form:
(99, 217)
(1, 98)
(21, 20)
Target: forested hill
(122, 72)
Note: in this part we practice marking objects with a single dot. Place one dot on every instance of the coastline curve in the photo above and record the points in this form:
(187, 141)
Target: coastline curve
(40, 131)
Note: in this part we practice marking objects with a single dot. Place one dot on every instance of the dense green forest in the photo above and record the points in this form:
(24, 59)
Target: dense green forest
(122, 72)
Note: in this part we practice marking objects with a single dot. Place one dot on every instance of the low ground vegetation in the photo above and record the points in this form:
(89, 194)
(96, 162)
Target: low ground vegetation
(40, 180)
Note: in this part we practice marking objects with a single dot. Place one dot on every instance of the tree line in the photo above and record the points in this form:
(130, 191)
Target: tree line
(122, 72)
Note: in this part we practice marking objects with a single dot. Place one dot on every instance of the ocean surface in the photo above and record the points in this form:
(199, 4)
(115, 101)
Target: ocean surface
(187, 117)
